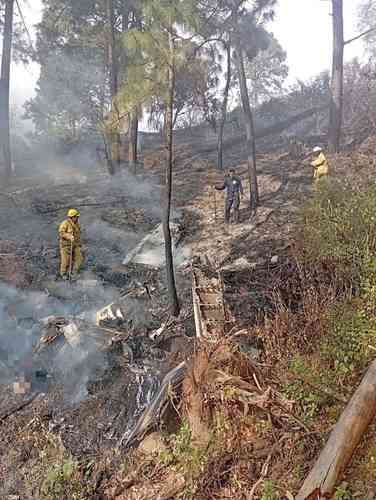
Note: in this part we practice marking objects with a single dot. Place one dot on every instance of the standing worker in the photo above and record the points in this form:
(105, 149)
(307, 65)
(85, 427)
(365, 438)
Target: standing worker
(234, 190)
(70, 245)
(320, 165)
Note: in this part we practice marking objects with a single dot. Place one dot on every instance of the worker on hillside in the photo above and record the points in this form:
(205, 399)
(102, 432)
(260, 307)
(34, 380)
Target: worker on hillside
(70, 245)
(234, 190)
(320, 165)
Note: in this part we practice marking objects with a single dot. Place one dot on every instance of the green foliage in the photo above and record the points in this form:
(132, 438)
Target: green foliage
(187, 457)
(71, 90)
(339, 225)
(58, 482)
(267, 71)
(269, 491)
(338, 238)
(340, 228)
(309, 401)
(350, 331)
(343, 493)
(155, 47)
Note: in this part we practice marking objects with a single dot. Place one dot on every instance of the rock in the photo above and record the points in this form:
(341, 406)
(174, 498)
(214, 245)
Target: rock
(153, 444)
(274, 259)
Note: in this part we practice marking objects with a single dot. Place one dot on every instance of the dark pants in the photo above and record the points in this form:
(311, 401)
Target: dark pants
(233, 202)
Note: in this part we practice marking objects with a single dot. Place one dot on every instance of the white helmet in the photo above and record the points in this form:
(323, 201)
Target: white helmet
(317, 149)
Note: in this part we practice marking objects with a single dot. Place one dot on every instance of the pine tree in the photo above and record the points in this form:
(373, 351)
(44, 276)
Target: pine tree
(157, 51)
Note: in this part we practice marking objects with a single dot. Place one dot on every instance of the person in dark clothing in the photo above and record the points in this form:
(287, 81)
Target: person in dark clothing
(234, 189)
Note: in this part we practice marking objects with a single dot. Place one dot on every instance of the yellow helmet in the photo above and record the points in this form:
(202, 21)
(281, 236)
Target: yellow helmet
(72, 212)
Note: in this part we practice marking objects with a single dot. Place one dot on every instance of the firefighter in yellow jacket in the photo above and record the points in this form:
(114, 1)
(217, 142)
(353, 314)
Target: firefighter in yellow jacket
(71, 258)
(320, 165)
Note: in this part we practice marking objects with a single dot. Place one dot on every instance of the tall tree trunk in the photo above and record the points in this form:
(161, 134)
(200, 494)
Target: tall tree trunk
(336, 103)
(249, 129)
(133, 139)
(5, 149)
(174, 302)
(133, 117)
(224, 108)
(113, 65)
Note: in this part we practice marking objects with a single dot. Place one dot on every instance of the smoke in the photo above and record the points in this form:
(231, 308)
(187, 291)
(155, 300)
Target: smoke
(116, 213)
(137, 192)
(108, 244)
(20, 332)
(19, 328)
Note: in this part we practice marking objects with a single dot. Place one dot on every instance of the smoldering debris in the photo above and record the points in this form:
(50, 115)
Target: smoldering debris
(20, 332)
(108, 244)
(67, 349)
(110, 372)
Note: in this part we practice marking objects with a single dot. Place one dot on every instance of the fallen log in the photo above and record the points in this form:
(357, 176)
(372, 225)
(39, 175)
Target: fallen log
(342, 441)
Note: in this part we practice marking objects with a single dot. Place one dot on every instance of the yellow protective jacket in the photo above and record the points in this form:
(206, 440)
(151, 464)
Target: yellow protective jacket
(321, 166)
(69, 227)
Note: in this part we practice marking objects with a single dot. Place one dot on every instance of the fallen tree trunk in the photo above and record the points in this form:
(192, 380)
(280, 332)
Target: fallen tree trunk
(343, 440)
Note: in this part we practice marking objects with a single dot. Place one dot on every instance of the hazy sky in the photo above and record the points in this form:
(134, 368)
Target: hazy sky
(302, 26)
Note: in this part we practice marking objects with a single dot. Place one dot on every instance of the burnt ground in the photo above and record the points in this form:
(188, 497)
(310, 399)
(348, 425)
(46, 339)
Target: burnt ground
(115, 216)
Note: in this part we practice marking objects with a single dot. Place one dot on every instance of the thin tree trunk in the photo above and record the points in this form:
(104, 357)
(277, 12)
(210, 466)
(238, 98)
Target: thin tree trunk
(174, 302)
(113, 65)
(133, 139)
(224, 108)
(336, 103)
(134, 115)
(249, 129)
(5, 151)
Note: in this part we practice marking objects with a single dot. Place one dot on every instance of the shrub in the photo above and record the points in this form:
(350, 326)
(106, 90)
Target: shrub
(60, 480)
(350, 331)
(339, 226)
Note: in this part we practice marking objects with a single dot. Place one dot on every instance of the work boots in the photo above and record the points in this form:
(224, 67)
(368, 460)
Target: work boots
(62, 277)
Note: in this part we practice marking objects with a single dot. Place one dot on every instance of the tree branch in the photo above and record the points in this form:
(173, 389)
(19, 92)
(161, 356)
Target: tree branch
(361, 35)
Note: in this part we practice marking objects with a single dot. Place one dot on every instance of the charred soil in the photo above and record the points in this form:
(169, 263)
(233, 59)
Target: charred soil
(251, 416)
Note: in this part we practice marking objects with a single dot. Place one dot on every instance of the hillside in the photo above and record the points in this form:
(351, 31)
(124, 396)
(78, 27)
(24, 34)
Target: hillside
(256, 405)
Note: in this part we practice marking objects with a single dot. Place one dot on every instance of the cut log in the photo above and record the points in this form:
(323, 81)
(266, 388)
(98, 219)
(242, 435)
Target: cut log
(343, 440)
